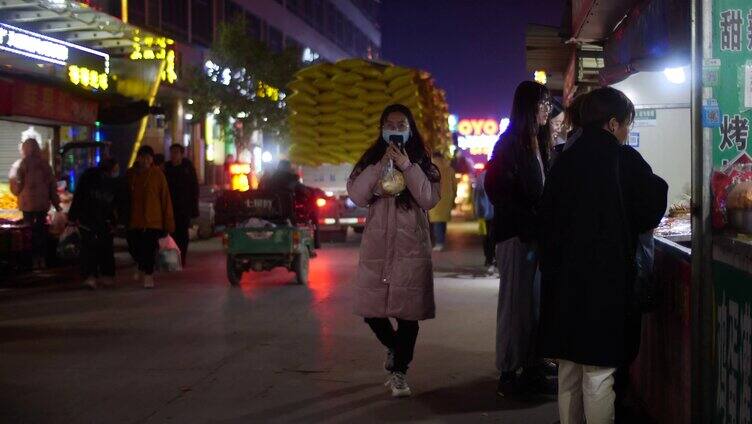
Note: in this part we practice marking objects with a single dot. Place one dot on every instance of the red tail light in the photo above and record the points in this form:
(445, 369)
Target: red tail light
(320, 202)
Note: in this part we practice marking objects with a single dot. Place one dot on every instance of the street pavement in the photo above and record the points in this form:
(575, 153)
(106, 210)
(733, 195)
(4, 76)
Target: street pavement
(195, 350)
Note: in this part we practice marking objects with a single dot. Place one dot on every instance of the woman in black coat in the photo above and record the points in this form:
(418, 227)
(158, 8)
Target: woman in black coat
(599, 196)
(514, 184)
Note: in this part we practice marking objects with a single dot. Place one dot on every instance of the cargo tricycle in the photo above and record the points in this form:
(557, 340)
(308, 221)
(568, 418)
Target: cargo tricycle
(264, 230)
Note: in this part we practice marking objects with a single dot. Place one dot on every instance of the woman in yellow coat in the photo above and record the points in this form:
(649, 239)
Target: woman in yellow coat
(442, 212)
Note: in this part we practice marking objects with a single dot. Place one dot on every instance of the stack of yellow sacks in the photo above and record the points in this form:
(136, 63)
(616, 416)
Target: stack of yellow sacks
(335, 109)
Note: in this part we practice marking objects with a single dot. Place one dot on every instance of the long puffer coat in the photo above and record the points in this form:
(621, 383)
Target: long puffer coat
(395, 275)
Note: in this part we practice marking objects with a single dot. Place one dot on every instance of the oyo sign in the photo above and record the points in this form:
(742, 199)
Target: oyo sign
(478, 127)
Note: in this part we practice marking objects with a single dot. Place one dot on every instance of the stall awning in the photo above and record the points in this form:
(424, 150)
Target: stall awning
(595, 20)
(545, 50)
(73, 22)
(654, 36)
(21, 99)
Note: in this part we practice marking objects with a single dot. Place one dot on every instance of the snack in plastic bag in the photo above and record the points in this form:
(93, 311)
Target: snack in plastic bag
(69, 246)
(168, 257)
(58, 222)
(392, 180)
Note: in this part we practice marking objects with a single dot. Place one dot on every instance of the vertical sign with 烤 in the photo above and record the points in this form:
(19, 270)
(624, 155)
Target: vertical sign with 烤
(732, 61)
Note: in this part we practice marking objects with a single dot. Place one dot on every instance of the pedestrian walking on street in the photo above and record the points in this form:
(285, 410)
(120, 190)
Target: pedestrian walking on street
(35, 186)
(151, 213)
(599, 197)
(183, 183)
(514, 183)
(484, 211)
(441, 214)
(94, 211)
(395, 273)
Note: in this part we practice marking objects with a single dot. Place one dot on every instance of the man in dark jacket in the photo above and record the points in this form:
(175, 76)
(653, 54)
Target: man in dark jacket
(599, 196)
(94, 211)
(183, 183)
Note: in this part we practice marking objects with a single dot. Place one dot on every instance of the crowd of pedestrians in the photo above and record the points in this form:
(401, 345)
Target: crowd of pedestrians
(150, 202)
(565, 202)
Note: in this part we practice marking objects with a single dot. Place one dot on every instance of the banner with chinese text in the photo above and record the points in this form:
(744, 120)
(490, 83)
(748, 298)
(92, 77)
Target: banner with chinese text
(730, 75)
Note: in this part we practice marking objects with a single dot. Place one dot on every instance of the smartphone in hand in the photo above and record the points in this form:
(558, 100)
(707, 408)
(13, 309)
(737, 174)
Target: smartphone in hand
(397, 141)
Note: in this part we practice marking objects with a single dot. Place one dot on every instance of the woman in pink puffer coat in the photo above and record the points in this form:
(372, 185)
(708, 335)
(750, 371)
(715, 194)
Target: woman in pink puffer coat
(34, 184)
(395, 275)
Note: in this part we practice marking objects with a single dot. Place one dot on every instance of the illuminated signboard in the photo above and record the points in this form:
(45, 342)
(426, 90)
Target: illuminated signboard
(479, 135)
(86, 67)
(156, 48)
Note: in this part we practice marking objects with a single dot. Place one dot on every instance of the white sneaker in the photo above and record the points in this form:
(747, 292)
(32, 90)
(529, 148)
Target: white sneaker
(438, 248)
(397, 383)
(148, 282)
(91, 283)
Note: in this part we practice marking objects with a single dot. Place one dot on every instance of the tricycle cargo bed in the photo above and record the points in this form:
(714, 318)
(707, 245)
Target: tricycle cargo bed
(276, 240)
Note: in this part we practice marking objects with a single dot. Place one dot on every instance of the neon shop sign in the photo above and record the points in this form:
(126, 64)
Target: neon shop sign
(86, 67)
(479, 135)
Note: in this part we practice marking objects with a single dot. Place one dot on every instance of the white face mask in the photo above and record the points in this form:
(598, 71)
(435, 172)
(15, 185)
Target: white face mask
(388, 133)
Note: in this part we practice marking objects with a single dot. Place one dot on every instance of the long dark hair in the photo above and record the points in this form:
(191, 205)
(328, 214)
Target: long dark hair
(523, 124)
(415, 148)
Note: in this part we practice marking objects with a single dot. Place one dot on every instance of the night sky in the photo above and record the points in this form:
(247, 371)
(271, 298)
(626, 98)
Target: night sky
(475, 49)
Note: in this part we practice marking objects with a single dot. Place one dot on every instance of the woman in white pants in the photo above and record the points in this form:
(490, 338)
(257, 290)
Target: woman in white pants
(599, 196)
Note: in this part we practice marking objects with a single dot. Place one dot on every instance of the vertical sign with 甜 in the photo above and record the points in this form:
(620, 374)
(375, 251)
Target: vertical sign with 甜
(731, 70)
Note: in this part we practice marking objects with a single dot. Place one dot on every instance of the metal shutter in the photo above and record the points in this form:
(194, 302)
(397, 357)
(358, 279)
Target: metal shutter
(10, 137)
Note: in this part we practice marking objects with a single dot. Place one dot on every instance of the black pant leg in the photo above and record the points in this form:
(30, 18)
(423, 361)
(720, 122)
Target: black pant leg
(131, 238)
(106, 255)
(149, 247)
(489, 244)
(383, 329)
(182, 238)
(89, 253)
(407, 334)
(38, 234)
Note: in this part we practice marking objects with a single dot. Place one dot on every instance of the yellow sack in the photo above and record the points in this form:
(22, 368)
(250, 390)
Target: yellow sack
(300, 98)
(329, 97)
(306, 130)
(310, 73)
(372, 85)
(375, 97)
(329, 108)
(353, 126)
(329, 140)
(351, 63)
(305, 110)
(354, 115)
(300, 119)
(353, 104)
(358, 137)
(405, 94)
(374, 109)
(329, 69)
(330, 130)
(323, 84)
(348, 78)
(329, 118)
(304, 86)
(392, 72)
(372, 121)
(368, 72)
(401, 81)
